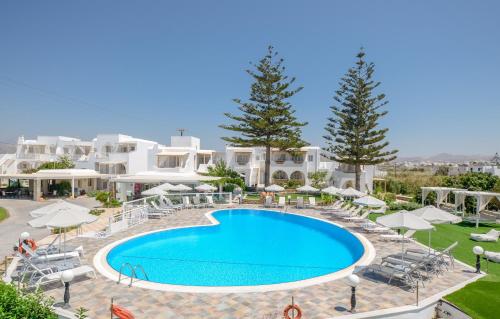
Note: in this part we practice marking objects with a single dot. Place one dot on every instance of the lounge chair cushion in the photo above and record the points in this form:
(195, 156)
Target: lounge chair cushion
(492, 235)
(492, 256)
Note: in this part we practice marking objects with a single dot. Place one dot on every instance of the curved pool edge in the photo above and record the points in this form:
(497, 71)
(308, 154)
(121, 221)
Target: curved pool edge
(102, 266)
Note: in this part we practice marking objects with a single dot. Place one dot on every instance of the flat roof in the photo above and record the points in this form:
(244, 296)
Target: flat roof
(57, 174)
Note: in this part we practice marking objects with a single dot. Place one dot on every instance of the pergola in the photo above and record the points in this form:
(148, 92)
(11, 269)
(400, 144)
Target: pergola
(441, 193)
(482, 198)
(72, 175)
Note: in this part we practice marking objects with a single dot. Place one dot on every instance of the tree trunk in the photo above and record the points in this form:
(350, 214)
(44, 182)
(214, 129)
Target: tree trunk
(267, 168)
(358, 177)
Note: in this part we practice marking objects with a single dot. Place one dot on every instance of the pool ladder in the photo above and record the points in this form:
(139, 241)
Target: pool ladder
(133, 272)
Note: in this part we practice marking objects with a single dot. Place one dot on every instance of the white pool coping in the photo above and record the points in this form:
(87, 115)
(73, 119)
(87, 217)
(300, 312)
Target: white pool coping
(106, 270)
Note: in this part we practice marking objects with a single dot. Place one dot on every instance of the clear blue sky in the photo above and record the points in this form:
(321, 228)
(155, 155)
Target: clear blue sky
(145, 68)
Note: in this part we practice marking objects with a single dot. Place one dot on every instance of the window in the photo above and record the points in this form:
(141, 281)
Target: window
(298, 158)
(242, 159)
(170, 162)
(310, 158)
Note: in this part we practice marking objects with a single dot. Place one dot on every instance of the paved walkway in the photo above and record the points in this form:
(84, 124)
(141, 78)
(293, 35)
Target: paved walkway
(320, 301)
(17, 222)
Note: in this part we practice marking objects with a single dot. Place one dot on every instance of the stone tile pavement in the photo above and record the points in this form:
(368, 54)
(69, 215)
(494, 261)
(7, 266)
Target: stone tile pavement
(320, 301)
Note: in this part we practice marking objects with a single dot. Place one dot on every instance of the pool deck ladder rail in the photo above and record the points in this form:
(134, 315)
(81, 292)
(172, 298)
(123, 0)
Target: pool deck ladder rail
(133, 272)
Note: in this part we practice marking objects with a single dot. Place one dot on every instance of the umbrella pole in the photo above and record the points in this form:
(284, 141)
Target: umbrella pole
(430, 241)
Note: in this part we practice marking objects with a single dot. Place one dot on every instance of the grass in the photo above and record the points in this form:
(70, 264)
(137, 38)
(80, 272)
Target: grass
(479, 299)
(3, 214)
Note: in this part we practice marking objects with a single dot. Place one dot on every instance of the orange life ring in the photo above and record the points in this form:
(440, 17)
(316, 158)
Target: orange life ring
(121, 312)
(32, 244)
(294, 308)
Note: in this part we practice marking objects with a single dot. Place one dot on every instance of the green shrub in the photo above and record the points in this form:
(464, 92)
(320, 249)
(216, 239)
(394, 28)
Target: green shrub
(18, 304)
(404, 206)
(96, 212)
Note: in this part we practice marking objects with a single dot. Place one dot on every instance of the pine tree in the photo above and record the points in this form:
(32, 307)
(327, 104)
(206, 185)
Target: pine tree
(267, 119)
(354, 136)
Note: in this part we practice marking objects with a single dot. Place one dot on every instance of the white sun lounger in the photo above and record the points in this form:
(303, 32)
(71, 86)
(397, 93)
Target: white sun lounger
(210, 201)
(492, 256)
(48, 275)
(44, 257)
(268, 202)
(300, 202)
(491, 236)
(398, 237)
(312, 202)
(358, 218)
(281, 201)
(380, 210)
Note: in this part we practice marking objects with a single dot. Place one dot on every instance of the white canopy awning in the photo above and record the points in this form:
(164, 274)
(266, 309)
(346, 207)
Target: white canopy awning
(307, 189)
(158, 190)
(62, 219)
(59, 206)
(404, 219)
(181, 188)
(274, 188)
(369, 201)
(351, 192)
(332, 190)
(435, 215)
(205, 188)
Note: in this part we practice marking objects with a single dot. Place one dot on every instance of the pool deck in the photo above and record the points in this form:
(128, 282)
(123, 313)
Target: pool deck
(326, 300)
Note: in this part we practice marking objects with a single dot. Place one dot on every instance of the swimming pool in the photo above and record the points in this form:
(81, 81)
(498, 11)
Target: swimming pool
(248, 247)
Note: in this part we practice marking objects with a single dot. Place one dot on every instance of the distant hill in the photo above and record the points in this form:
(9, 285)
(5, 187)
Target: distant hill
(445, 157)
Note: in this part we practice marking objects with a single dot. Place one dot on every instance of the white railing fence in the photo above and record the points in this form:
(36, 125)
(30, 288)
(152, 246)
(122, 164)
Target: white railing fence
(135, 212)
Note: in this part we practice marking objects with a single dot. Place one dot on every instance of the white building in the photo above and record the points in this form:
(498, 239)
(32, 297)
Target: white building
(296, 166)
(492, 167)
(134, 164)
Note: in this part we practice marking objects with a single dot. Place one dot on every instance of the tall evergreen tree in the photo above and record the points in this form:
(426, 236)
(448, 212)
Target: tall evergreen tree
(267, 119)
(353, 133)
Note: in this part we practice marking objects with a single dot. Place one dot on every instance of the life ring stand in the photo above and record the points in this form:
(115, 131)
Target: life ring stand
(293, 308)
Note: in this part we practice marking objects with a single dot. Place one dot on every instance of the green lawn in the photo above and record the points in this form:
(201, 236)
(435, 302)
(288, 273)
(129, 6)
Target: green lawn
(3, 214)
(480, 299)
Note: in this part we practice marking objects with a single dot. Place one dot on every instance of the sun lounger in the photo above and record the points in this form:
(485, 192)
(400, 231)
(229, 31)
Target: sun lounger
(41, 276)
(210, 201)
(491, 236)
(168, 203)
(358, 218)
(281, 202)
(300, 202)
(446, 252)
(186, 203)
(353, 211)
(197, 203)
(45, 257)
(268, 202)
(375, 228)
(402, 273)
(399, 237)
(157, 212)
(312, 202)
(492, 256)
(380, 210)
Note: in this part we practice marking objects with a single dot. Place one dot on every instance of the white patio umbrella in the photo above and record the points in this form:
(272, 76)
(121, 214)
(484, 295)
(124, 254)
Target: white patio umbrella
(332, 190)
(307, 189)
(274, 188)
(205, 188)
(182, 188)
(369, 201)
(404, 219)
(158, 190)
(435, 215)
(63, 219)
(60, 205)
(351, 192)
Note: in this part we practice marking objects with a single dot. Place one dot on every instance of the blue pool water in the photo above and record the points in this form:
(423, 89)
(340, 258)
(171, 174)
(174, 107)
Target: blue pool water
(247, 248)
